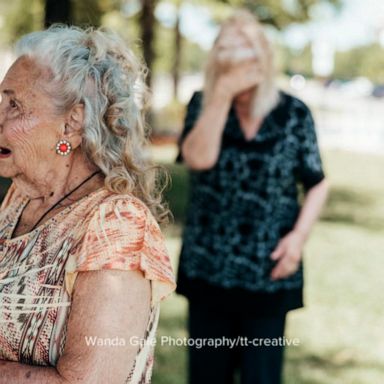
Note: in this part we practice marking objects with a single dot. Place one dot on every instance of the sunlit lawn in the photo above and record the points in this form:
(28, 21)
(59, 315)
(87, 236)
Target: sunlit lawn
(341, 329)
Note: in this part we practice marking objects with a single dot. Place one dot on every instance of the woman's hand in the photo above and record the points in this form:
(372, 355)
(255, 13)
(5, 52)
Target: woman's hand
(288, 255)
(239, 79)
(288, 252)
(201, 147)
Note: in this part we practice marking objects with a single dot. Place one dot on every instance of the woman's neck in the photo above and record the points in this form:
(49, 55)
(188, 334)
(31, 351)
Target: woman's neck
(57, 181)
(249, 125)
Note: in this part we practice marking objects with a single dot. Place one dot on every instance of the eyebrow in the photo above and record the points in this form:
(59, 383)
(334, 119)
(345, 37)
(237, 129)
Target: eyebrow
(9, 92)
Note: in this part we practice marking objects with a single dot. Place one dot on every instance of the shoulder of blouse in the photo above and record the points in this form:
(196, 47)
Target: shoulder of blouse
(295, 102)
(11, 195)
(120, 232)
(196, 99)
(113, 204)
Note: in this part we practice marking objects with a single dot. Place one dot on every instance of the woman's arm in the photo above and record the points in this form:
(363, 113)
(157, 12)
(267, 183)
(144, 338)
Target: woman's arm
(313, 204)
(12, 373)
(288, 252)
(201, 147)
(107, 304)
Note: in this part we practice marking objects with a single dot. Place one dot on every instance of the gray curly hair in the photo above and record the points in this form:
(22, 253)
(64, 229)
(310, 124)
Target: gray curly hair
(96, 68)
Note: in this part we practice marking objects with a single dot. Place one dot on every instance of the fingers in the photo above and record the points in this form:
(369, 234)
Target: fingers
(284, 268)
(241, 77)
(251, 76)
(278, 252)
(246, 72)
(276, 272)
(288, 255)
(250, 71)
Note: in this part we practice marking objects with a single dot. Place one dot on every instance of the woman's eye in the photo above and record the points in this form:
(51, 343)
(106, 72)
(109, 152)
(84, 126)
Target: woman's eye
(13, 104)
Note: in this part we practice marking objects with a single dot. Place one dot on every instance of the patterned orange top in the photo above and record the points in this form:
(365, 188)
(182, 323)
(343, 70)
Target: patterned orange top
(102, 230)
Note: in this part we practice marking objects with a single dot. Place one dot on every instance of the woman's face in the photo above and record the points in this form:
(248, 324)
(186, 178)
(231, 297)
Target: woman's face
(234, 47)
(29, 126)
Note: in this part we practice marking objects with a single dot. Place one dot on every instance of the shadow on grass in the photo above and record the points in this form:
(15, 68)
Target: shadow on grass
(301, 366)
(170, 365)
(353, 207)
(304, 367)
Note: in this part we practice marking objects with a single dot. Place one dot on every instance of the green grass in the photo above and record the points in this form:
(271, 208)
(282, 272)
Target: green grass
(341, 326)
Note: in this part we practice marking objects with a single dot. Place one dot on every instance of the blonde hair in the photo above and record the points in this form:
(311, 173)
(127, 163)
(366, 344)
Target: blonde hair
(96, 68)
(266, 95)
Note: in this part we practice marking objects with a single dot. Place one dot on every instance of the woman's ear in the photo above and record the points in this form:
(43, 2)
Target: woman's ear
(74, 124)
(75, 120)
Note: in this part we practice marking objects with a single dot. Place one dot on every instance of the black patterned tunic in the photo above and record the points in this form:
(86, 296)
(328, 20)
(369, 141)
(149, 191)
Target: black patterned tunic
(241, 207)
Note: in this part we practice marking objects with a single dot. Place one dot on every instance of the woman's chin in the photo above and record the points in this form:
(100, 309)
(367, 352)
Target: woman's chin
(6, 172)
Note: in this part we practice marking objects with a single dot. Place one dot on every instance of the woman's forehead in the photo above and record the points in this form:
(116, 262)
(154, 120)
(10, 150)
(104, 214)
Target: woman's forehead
(235, 34)
(230, 31)
(232, 41)
(23, 74)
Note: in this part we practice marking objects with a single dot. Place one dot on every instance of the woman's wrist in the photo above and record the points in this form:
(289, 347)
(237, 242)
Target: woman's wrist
(301, 234)
(222, 93)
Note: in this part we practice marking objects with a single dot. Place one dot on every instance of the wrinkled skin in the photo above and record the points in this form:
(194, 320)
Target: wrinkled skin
(30, 126)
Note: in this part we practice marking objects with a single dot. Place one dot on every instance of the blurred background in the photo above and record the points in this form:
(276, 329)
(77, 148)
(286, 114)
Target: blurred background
(329, 53)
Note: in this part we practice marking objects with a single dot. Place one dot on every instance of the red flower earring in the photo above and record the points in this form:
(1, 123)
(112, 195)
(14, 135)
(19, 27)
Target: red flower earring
(63, 148)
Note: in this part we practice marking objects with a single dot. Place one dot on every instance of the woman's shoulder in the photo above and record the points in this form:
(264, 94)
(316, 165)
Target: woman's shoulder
(289, 101)
(120, 232)
(117, 214)
(196, 99)
(115, 224)
(11, 196)
(123, 203)
(197, 95)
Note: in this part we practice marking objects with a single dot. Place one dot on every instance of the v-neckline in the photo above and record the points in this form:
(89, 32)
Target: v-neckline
(253, 137)
(238, 126)
(24, 201)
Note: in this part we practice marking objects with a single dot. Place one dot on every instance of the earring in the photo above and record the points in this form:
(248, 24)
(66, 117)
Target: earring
(63, 148)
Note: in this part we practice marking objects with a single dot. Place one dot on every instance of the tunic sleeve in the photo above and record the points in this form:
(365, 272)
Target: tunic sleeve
(193, 111)
(9, 196)
(123, 234)
(310, 170)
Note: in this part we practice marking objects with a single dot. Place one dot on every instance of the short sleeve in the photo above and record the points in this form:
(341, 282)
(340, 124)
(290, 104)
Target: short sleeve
(9, 196)
(122, 234)
(192, 114)
(310, 168)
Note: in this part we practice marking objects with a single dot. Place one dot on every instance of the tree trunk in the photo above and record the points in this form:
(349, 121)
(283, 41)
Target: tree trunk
(177, 53)
(147, 22)
(87, 13)
(57, 11)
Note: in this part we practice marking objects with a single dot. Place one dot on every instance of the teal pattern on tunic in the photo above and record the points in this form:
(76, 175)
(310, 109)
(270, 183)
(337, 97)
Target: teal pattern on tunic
(241, 207)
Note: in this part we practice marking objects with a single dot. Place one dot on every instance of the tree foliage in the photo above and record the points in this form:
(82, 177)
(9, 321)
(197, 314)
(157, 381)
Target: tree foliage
(366, 61)
(22, 16)
(278, 13)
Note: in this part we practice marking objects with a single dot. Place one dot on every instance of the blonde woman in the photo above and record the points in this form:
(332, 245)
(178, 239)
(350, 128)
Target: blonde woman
(247, 145)
(83, 263)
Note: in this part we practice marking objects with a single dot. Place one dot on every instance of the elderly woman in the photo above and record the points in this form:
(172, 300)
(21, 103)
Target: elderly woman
(83, 264)
(247, 146)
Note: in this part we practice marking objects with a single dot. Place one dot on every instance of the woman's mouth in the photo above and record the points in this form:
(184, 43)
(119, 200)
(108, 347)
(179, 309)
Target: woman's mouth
(5, 152)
